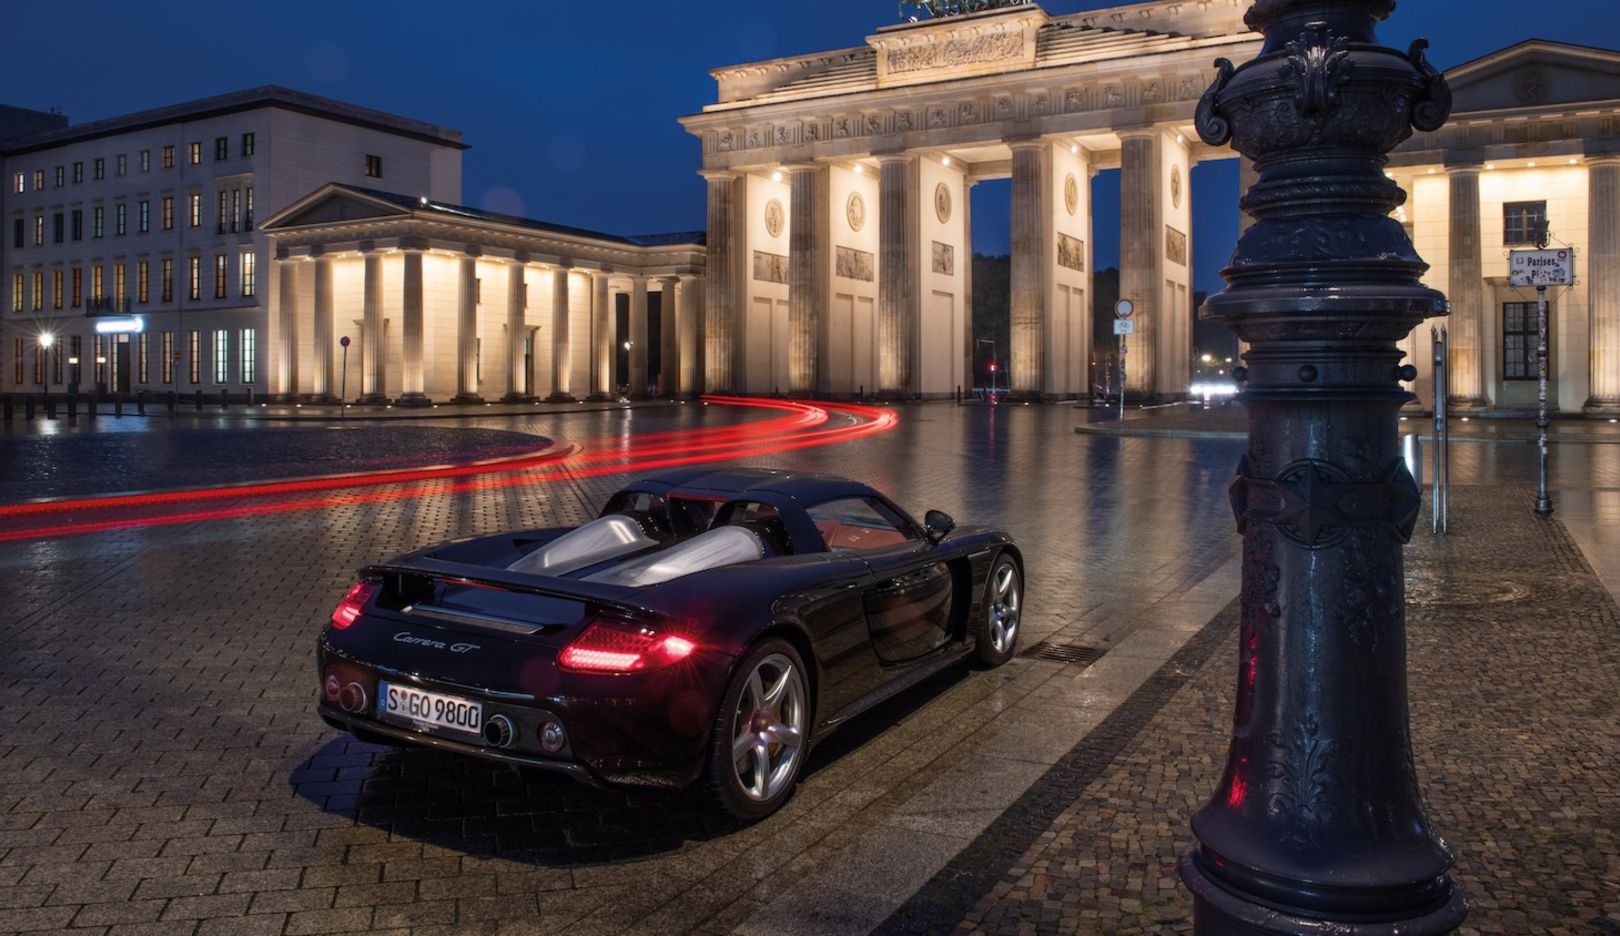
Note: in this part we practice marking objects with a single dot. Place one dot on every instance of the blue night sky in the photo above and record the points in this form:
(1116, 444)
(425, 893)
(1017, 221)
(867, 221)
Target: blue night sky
(570, 108)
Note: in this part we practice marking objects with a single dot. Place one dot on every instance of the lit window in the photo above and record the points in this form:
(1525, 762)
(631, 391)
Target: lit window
(97, 273)
(39, 180)
(39, 290)
(143, 286)
(118, 287)
(236, 210)
(141, 359)
(221, 218)
(196, 209)
(56, 288)
(168, 280)
(168, 157)
(145, 218)
(168, 357)
(221, 275)
(78, 287)
(39, 230)
(20, 184)
(249, 352)
(168, 212)
(373, 167)
(16, 292)
(194, 291)
(247, 216)
(77, 362)
(196, 356)
(146, 160)
(248, 271)
(196, 153)
(222, 356)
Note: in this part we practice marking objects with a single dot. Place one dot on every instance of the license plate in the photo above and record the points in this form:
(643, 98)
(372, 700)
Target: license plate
(429, 708)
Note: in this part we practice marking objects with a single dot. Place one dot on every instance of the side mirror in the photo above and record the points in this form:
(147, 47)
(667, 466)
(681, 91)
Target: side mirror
(938, 523)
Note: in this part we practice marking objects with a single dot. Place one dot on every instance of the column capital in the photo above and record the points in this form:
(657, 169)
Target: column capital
(1016, 143)
(1141, 133)
(905, 156)
(720, 175)
(1602, 159)
(471, 252)
(1464, 167)
(413, 244)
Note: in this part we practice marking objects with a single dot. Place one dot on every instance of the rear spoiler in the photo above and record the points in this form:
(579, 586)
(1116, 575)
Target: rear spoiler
(616, 595)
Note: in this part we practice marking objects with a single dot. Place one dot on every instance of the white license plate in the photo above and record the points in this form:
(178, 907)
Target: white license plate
(429, 708)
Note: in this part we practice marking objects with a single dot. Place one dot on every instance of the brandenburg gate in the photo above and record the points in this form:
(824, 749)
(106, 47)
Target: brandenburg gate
(839, 232)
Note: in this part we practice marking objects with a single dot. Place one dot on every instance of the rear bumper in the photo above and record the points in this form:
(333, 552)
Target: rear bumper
(343, 721)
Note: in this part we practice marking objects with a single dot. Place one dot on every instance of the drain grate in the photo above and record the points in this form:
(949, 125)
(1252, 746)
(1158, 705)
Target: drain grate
(1065, 653)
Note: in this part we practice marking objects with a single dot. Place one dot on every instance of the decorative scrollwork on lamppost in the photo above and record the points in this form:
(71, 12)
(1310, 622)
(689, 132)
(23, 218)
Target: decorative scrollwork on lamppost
(1317, 825)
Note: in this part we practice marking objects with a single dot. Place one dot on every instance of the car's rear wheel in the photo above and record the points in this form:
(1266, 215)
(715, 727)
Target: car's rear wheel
(759, 741)
(1003, 612)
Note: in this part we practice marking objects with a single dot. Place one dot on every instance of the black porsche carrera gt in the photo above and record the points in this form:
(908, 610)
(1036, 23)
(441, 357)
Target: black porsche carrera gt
(706, 629)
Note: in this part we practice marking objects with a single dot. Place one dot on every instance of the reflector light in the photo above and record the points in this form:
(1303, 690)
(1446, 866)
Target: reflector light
(348, 610)
(608, 647)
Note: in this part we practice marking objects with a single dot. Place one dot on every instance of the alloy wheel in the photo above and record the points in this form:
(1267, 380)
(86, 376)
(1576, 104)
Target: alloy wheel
(1004, 608)
(768, 732)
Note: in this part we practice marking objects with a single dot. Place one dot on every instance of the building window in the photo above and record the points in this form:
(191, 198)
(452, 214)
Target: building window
(236, 210)
(168, 357)
(121, 167)
(78, 172)
(56, 362)
(75, 360)
(78, 224)
(144, 219)
(141, 372)
(120, 218)
(196, 153)
(249, 352)
(146, 160)
(39, 290)
(248, 262)
(1522, 222)
(247, 214)
(17, 356)
(168, 157)
(61, 176)
(143, 284)
(39, 230)
(222, 356)
(194, 289)
(1521, 339)
(195, 339)
(222, 148)
(39, 180)
(247, 144)
(118, 287)
(98, 169)
(168, 212)
(221, 218)
(16, 292)
(373, 167)
(96, 281)
(98, 223)
(168, 280)
(58, 227)
(196, 209)
(20, 183)
(78, 287)
(221, 275)
(17, 228)
(39, 365)
(101, 362)
(56, 288)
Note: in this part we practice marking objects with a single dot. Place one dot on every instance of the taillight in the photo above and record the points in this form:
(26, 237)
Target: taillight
(615, 647)
(348, 610)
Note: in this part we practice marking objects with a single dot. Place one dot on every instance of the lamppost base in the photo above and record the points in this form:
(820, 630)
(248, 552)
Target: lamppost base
(413, 399)
(1544, 506)
(1218, 911)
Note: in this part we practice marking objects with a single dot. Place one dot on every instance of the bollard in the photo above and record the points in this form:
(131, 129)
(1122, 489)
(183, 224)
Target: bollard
(173, 400)
(50, 406)
(28, 407)
(118, 406)
(250, 396)
(140, 402)
(90, 406)
(9, 408)
(198, 399)
(73, 409)
(863, 393)
(224, 399)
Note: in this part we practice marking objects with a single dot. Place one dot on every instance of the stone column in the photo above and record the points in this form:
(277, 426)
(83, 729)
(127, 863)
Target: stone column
(601, 338)
(689, 318)
(373, 369)
(969, 345)
(561, 352)
(806, 282)
(638, 337)
(1603, 283)
(896, 224)
(467, 332)
(669, 361)
(1467, 293)
(413, 387)
(287, 327)
(1140, 272)
(322, 385)
(1030, 274)
(517, 330)
(719, 302)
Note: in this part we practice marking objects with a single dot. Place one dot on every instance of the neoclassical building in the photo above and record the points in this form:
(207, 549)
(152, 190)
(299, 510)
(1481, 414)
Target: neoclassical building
(839, 236)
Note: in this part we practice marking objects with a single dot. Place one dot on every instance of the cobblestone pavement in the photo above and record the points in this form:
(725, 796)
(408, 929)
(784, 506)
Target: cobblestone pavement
(1515, 677)
(162, 770)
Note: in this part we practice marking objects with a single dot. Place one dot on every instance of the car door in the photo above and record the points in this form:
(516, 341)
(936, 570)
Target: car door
(908, 600)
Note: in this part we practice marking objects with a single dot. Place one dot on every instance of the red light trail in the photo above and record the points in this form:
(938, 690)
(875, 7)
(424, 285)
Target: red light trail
(803, 425)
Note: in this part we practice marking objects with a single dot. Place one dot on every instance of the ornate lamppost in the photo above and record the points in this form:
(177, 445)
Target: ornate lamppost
(1317, 825)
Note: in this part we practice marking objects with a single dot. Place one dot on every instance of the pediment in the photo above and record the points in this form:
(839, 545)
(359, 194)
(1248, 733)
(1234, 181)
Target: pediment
(333, 205)
(1536, 74)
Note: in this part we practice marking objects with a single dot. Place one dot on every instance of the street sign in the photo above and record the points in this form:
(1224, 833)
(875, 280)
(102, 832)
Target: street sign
(1124, 327)
(1541, 267)
(1123, 309)
(344, 341)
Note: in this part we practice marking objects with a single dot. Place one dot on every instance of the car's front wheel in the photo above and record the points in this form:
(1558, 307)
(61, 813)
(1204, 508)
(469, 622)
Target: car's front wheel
(759, 741)
(1001, 614)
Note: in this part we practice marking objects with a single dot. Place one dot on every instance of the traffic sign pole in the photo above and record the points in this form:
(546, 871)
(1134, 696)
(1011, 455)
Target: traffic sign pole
(343, 385)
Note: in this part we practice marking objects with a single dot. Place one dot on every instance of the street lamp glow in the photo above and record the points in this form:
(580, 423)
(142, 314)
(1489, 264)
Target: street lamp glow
(46, 339)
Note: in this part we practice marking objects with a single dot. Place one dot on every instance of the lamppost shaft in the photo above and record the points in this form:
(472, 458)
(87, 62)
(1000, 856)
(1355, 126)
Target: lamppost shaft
(1544, 504)
(1317, 824)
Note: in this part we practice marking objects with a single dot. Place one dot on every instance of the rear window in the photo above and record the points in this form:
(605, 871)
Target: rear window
(693, 514)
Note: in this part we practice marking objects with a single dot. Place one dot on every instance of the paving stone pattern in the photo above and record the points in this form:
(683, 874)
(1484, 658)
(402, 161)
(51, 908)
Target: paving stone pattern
(1515, 676)
(162, 770)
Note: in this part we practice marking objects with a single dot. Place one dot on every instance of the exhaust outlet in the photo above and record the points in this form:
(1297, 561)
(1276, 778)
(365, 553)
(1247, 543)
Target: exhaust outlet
(353, 698)
(498, 731)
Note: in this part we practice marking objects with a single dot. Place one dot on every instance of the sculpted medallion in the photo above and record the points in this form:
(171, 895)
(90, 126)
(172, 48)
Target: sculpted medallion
(773, 218)
(1071, 194)
(855, 211)
(1175, 186)
(942, 202)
